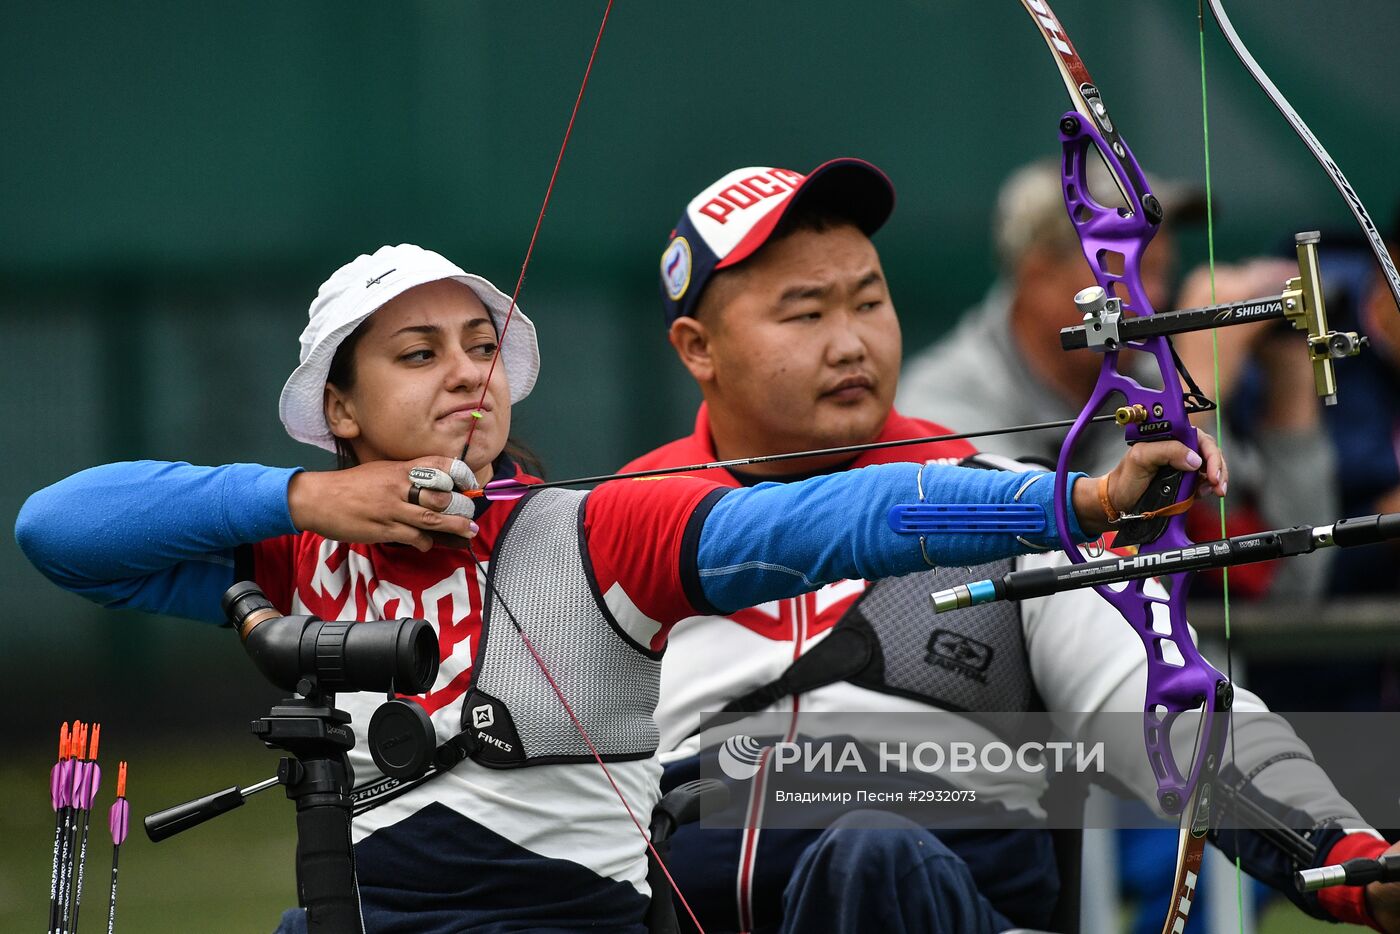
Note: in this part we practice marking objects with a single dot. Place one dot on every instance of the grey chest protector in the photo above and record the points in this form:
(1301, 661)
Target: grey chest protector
(890, 641)
(511, 715)
(611, 681)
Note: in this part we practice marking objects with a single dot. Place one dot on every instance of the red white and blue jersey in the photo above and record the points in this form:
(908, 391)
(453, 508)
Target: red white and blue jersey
(563, 821)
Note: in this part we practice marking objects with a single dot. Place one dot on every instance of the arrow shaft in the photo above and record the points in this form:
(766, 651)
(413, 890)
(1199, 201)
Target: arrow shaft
(57, 868)
(82, 863)
(112, 895)
(792, 456)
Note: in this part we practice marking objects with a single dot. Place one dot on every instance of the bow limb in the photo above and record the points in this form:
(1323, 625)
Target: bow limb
(1334, 172)
(1179, 679)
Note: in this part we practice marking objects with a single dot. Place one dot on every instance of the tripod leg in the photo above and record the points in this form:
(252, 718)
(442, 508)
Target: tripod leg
(326, 870)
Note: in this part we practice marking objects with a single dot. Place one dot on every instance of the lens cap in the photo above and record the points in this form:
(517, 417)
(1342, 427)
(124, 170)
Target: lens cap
(402, 739)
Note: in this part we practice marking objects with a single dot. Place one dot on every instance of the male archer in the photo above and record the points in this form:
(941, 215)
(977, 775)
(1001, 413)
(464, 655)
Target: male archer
(777, 305)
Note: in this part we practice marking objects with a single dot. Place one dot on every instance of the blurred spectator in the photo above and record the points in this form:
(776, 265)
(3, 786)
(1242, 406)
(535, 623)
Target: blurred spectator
(1364, 431)
(1272, 422)
(1021, 374)
(1365, 423)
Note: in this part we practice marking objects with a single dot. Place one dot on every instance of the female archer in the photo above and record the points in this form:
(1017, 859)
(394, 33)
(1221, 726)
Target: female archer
(397, 372)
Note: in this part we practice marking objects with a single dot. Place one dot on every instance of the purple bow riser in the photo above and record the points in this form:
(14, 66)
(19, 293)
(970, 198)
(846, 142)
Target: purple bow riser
(1178, 677)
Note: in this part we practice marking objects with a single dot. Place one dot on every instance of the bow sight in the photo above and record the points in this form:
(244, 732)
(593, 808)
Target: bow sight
(315, 658)
(1107, 327)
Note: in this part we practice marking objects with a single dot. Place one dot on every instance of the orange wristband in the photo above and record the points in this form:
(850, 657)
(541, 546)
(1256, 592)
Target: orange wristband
(1108, 509)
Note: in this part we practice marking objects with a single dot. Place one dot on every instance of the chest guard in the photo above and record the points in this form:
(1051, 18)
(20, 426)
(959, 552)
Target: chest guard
(966, 661)
(540, 581)
(973, 661)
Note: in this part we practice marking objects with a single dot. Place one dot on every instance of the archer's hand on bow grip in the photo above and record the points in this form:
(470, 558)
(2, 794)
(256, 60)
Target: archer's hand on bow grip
(1127, 482)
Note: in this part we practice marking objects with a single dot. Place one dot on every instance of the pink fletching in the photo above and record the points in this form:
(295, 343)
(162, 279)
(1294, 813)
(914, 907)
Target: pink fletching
(75, 782)
(505, 489)
(117, 819)
(62, 788)
(88, 792)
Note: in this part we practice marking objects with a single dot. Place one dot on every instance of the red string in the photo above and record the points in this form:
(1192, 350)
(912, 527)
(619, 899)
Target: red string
(500, 342)
(539, 219)
(618, 791)
(588, 741)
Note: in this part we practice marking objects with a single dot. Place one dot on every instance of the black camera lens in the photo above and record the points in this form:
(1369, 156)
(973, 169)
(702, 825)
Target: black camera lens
(242, 600)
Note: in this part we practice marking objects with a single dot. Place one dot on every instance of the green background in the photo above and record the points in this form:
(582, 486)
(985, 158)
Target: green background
(176, 179)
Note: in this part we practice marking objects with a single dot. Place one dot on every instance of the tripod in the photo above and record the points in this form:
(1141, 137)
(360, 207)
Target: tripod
(318, 777)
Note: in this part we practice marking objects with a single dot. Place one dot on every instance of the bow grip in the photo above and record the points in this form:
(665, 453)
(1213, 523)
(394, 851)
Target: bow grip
(1148, 525)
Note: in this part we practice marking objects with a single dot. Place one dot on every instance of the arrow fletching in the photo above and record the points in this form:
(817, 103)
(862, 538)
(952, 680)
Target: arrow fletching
(88, 794)
(59, 779)
(498, 490)
(120, 815)
(88, 776)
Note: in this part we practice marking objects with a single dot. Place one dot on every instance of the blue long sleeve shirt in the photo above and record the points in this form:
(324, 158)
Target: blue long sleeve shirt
(160, 536)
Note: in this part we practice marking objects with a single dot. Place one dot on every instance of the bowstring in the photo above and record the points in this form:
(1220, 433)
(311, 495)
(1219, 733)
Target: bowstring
(1219, 418)
(587, 741)
(495, 358)
(539, 220)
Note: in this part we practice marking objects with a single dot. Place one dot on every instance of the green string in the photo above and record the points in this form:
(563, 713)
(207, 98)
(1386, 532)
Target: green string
(1219, 410)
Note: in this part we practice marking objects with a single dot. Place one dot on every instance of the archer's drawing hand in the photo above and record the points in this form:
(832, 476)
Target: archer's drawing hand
(371, 504)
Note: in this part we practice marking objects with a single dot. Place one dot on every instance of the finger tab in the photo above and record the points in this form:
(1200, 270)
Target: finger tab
(430, 478)
(463, 477)
(461, 506)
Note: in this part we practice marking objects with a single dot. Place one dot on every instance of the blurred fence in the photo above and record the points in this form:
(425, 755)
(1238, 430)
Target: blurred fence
(178, 179)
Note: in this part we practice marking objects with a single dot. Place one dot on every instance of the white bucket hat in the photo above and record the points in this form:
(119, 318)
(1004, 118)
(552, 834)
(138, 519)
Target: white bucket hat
(359, 289)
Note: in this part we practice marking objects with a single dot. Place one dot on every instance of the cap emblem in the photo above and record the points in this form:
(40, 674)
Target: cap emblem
(675, 268)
